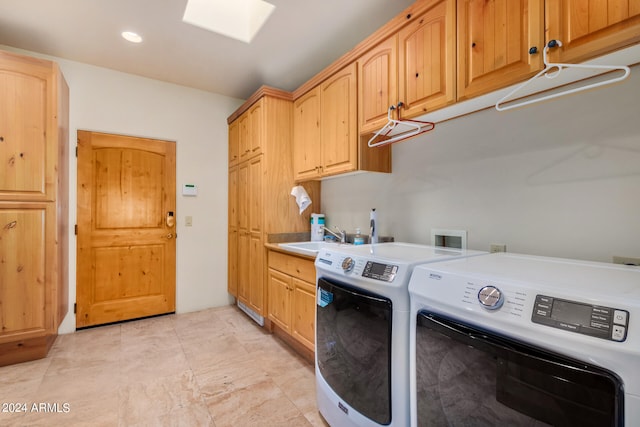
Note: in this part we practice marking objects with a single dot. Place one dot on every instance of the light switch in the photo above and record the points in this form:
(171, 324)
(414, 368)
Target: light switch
(188, 221)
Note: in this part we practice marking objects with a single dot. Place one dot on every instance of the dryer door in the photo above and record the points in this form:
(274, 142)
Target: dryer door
(353, 347)
(469, 376)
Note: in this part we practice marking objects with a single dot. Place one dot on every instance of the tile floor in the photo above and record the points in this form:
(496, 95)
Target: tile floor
(210, 368)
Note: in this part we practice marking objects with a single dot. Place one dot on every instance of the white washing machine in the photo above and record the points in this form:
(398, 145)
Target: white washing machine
(508, 339)
(362, 330)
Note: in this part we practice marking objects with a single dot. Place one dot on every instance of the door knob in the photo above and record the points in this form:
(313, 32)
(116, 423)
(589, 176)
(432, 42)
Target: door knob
(170, 220)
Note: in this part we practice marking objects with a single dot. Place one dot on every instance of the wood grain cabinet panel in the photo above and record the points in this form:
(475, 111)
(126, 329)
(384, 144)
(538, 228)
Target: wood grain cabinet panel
(306, 136)
(494, 42)
(427, 57)
(34, 209)
(292, 296)
(588, 29)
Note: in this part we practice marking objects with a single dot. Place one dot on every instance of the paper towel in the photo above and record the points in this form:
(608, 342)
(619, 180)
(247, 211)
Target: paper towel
(302, 197)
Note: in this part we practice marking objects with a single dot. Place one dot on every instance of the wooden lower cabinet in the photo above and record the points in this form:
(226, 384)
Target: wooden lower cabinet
(292, 296)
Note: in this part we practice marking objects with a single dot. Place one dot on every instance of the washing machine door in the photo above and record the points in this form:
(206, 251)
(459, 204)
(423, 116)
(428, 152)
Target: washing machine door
(353, 347)
(469, 376)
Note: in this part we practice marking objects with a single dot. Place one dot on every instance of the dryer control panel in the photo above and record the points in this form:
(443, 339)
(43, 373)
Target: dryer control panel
(594, 320)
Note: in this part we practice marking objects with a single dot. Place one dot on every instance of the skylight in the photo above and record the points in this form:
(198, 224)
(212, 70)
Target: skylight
(238, 19)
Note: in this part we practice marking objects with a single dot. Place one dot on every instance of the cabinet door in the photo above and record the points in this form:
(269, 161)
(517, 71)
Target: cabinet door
(23, 294)
(303, 307)
(244, 137)
(591, 28)
(23, 133)
(232, 280)
(377, 85)
(257, 128)
(306, 136)
(256, 257)
(494, 39)
(427, 60)
(280, 286)
(338, 122)
(234, 135)
(243, 233)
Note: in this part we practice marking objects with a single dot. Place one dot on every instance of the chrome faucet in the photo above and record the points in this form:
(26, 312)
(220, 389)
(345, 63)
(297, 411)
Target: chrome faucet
(342, 235)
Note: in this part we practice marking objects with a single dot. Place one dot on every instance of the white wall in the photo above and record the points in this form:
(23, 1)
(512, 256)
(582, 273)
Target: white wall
(561, 178)
(114, 102)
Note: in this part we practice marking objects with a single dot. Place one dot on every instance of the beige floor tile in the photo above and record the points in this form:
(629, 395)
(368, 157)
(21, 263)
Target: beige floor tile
(22, 380)
(258, 404)
(157, 398)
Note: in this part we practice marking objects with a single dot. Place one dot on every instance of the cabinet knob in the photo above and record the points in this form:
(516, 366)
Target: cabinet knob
(533, 50)
(1, 138)
(473, 44)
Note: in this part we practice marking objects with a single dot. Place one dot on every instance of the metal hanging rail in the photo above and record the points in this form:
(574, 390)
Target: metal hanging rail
(553, 70)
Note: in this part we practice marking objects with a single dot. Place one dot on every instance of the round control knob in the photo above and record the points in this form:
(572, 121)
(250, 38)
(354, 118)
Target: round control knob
(491, 297)
(347, 264)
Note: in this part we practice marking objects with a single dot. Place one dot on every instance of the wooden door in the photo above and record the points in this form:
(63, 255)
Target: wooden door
(377, 71)
(494, 40)
(244, 136)
(591, 28)
(126, 256)
(232, 245)
(257, 250)
(234, 143)
(243, 233)
(257, 128)
(26, 266)
(306, 135)
(426, 60)
(338, 122)
(303, 302)
(279, 285)
(27, 172)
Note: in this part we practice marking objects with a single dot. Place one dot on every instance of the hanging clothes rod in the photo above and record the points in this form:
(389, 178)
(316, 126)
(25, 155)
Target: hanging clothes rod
(412, 128)
(553, 70)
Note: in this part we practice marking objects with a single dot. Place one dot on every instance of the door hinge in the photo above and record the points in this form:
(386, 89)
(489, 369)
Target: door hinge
(75, 308)
(76, 229)
(76, 151)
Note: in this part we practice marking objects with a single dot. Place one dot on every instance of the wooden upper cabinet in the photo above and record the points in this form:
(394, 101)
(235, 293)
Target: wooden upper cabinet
(415, 67)
(377, 86)
(234, 141)
(591, 28)
(427, 57)
(338, 123)
(306, 136)
(256, 120)
(494, 42)
(25, 88)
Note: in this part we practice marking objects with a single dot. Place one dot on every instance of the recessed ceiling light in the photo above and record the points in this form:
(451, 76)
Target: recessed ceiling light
(238, 19)
(131, 37)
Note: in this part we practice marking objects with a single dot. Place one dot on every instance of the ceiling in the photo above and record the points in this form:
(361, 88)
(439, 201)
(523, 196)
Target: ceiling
(300, 38)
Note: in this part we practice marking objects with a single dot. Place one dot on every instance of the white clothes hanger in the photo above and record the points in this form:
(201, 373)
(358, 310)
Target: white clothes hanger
(412, 128)
(553, 70)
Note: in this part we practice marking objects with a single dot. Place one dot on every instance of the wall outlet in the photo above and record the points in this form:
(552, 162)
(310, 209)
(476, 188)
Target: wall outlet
(497, 247)
(188, 221)
(626, 260)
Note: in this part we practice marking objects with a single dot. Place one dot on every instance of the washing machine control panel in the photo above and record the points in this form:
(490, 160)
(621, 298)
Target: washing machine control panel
(379, 271)
(597, 321)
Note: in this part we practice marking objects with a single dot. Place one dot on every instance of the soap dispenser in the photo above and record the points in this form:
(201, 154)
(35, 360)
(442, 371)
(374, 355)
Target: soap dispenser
(358, 238)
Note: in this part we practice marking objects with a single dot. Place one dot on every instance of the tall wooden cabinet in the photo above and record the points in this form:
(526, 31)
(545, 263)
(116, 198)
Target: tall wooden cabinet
(260, 184)
(34, 136)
